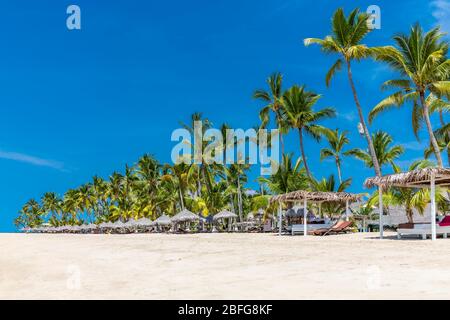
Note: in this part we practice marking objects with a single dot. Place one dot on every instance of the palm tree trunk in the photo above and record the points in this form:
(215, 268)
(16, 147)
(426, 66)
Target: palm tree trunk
(372, 152)
(426, 115)
(302, 151)
(239, 199)
(180, 193)
(339, 170)
(279, 129)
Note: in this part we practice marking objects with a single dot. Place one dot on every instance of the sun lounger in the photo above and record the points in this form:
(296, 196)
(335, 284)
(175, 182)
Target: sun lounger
(423, 230)
(338, 227)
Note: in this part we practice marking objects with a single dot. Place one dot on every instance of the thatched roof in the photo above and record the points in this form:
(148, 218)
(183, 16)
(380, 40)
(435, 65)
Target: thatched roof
(185, 215)
(316, 196)
(163, 220)
(416, 178)
(224, 214)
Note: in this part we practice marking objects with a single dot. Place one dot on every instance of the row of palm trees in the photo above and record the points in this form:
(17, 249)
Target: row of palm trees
(150, 188)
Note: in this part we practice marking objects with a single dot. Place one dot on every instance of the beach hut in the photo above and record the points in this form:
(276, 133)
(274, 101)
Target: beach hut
(419, 178)
(315, 197)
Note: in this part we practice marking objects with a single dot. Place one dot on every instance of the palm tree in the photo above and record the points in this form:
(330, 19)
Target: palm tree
(421, 60)
(329, 185)
(386, 154)
(30, 215)
(272, 98)
(298, 111)
(347, 34)
(289, 177)
(51, 203)
(336, 141)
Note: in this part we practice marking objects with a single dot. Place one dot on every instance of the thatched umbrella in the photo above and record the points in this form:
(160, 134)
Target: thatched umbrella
(225, 214)
(144, 222)
(185, 216)
(420, 178)
(163, 220)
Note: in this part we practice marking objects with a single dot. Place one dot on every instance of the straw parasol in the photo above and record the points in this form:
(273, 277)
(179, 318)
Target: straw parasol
(163, 220)
(313, 196)
(144, 222)
(415, 178)
(185, 216)
(224, 214)
(419, 178)
(316, 196)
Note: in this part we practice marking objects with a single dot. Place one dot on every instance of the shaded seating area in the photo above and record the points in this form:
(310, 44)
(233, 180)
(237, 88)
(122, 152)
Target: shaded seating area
(419, 178)
(312, 197)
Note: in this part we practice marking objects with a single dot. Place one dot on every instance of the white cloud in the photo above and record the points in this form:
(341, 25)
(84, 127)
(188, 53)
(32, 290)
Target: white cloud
(441, 12)
(20, 157)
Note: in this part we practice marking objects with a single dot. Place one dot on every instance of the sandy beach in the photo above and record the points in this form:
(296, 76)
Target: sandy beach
(221, 266)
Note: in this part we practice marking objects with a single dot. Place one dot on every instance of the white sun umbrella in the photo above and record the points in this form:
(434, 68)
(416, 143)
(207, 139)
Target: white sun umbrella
(224, 214)
(163, 220)
(26, 229)
(185, 215)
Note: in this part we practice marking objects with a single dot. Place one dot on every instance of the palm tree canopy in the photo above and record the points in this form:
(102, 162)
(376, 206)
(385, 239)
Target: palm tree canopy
(345, 39)
(298, 110)
(386, 153)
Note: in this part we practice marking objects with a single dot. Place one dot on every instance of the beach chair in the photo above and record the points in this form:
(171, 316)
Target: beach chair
(338, 227)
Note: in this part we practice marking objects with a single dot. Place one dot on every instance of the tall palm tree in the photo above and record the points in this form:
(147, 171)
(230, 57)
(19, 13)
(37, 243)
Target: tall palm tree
(336, 141)
(421, 60)
(386, 154)
(298, 111)
(272, 98)
(345, 40)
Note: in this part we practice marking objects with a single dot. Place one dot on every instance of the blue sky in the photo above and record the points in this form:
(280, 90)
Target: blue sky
(75, 104)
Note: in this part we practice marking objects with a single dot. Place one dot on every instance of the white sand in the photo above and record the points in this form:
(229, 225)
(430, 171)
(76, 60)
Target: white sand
(221, 266)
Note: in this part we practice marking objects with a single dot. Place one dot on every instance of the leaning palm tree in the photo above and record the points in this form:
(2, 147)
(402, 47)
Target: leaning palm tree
(297, 108)
(421, 60)
(347, 34)
(336, 141)
(386, 153)
(272, 98)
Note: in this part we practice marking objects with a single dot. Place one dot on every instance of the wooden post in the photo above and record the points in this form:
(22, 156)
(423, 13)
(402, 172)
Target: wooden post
(280, 218)
(380, 206)
(305, 210)
(433, 207)
(347, 213)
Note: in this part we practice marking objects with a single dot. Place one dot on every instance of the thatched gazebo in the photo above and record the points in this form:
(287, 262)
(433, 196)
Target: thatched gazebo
(419, 178)
(316, 197)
